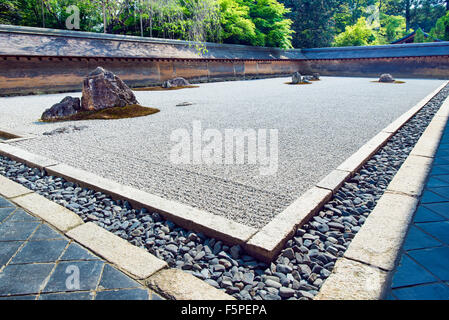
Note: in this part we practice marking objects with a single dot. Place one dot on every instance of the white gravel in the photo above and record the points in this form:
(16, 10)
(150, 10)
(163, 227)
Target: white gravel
(319, 125)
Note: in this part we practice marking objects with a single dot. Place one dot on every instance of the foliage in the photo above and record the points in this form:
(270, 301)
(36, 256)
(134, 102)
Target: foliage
(274, 23)
(441, 29)
(392, 28)
(359, 34)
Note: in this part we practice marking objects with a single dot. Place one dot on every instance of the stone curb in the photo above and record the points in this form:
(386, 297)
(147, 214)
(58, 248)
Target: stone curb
(375, 249)
(49, 211)
(11, 189)
(268, 242)
(381, 237)
(14, 136)
(26, 157)
(352, 280)
(175, 284)
(183, 215)
(134, 260)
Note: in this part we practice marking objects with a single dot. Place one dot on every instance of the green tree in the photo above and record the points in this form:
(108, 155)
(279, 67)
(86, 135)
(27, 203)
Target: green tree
(359, 34)
(392, 28)
(313, 22)
(441, 29)
(9, 12)
(237, 27)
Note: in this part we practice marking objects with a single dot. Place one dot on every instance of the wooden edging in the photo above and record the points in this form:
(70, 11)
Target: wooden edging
(365, 270)
(136, 262)
(265, 243)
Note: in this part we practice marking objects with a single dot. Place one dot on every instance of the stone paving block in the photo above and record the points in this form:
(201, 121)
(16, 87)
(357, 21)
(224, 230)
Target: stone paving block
(436, 260)
(5, 203)
(56, 215)
(5, 213)
(443, 178)
(270, 239)
(124, 294)
(65, 274)
(7, 250)
(11, 189)
(411, 177)
(11, 231)
(114, 279)
(439, 230)
(381, 237)
(351, 280)
(416, 239)
(441, 191)
(441, 160)
(43, 251)
(424, 214)
(23, 278)
(434, 291)
(120, 252)
(26, 157)
(334, 180)
(75, 252)
(67, 296)
(429, 197)
(178, 285)
(20, 215)
(434, 182)
(44, 232)
(439, 208)
(29, 297)
(409, 273)
(439, 170)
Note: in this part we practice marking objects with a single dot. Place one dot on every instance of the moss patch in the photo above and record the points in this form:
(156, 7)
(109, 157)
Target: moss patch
(296, 84)
(395, 82)
(131, 111)
(159, 88)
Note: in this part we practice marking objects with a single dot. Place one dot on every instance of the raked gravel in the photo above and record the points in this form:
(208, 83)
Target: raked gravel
(320, 125)
(307, 259)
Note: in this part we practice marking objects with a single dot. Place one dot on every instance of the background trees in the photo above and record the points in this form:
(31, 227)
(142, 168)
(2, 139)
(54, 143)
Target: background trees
(274, 23)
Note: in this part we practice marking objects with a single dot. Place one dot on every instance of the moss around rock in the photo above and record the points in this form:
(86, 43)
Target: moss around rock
(394, 82)
(130, 111)
(299, 84)
(159, 88)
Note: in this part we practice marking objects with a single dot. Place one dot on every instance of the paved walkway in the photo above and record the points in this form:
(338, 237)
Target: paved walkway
(423, 272)
(39, 263)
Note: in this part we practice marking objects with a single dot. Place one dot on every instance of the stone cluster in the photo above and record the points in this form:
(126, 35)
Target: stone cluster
(297, 78)
(101, 89)
(176, 82)
(307, 259)
(386, 78)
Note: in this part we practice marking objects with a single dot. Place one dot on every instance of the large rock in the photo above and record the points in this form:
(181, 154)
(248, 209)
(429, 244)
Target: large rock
(386, 77)
(296, 78)
(176, 82)
(102, 89)
(67, 107)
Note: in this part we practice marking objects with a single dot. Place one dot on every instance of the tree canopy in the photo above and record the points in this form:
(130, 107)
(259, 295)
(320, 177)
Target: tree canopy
(272, 23)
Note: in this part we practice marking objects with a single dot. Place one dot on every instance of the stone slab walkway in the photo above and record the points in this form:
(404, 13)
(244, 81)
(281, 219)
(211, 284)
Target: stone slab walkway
(39, 263)
(423, 271)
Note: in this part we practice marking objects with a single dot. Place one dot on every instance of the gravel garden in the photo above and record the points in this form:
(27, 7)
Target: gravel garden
(319, 125)
(307, 259)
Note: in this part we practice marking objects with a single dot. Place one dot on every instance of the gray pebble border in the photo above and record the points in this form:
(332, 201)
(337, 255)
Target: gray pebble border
(307, 259)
